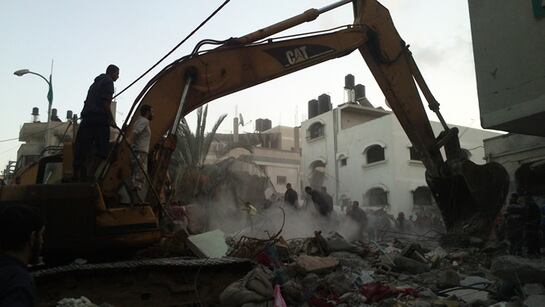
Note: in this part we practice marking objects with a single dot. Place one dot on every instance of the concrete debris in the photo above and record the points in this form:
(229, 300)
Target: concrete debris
(255, 287)
(330, 271)
(518, 269)
(77, 302)
(315, 264)
(336, 243)
(350, 260)
(448, 279)
(209, 244)
(406, 264)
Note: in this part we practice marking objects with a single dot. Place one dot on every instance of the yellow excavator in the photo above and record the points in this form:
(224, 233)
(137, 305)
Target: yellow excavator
(85, 218)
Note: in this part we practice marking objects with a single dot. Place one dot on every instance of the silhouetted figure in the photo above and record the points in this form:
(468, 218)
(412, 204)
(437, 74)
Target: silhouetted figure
(94, 131)
(400, 222)
(291, 197)
(531, 226)
(319, 201)
(514, 224)
(328, 198)
(360, 217)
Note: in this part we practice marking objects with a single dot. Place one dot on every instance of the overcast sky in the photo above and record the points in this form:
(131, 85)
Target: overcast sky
(83, 37)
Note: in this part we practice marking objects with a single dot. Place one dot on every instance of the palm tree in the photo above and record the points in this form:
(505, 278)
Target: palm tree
(190, 154)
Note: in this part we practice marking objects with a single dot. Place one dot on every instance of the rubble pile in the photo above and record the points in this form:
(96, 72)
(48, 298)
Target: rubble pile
(326, 270)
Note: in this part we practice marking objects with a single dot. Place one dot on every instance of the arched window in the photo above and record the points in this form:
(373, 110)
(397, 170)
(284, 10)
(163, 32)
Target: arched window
(422, 196)
(317, 174)
(315, 130)
(377, 197)
(374, 153)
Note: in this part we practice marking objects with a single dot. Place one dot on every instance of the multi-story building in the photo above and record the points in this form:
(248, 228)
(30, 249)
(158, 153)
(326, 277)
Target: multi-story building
(39, 136)
(361, 153)
(275, 150)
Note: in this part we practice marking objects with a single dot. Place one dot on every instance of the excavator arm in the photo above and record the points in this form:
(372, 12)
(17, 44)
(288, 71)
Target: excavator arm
(239, 63)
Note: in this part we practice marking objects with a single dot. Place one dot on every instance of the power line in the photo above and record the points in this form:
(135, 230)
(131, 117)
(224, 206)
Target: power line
(175, 47)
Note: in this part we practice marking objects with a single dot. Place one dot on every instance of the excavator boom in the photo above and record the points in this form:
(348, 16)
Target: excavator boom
(243, 62)
(468, 195)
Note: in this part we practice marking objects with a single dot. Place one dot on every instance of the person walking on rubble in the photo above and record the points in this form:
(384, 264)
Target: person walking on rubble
(514, 224)
(400, 222)
(21, 239)
(291, 197)
(94, 130)
(327, 197)
(140, 142)
(359, 216)
(320, 203)
(531, 227)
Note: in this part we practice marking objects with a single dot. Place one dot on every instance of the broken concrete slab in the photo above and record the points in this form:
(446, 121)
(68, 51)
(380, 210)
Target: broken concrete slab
(518, 269)
(314, 264)
(209, 244)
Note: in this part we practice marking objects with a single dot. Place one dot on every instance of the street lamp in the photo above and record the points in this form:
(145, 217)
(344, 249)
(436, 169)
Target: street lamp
(22, 72)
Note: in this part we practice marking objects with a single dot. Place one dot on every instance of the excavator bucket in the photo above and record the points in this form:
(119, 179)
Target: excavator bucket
(471, 197)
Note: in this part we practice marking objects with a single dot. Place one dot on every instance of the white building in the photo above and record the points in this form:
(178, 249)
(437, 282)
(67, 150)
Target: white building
(361, 153)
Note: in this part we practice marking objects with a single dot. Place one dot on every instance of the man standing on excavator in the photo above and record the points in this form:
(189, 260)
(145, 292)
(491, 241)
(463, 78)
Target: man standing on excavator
(96, 118)
(140, 140)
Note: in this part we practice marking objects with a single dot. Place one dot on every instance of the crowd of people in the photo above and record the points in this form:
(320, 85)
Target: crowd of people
(372, 224)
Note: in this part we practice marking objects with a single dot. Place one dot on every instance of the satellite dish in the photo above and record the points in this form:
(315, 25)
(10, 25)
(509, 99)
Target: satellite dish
(241, 119)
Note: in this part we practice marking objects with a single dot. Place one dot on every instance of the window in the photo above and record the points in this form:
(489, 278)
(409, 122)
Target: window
(377, 197)
(281, 180)
(316, 130)
(414, 154)
(422, 196)
(374, 153)
(344, 161)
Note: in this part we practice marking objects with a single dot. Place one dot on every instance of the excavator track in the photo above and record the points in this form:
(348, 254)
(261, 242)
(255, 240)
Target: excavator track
(150, 282)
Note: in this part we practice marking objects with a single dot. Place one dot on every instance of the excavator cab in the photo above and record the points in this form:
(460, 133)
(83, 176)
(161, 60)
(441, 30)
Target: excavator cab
(78, 221)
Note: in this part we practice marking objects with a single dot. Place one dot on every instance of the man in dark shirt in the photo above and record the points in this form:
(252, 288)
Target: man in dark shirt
(531, 227)
(319, 201)
(96, 118)
(514, 224)
(360, 217)
(21, 238)
(328, 198)
(291, 197)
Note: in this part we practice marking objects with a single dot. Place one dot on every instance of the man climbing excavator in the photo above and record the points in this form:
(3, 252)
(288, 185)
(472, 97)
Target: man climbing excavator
(469, 196)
